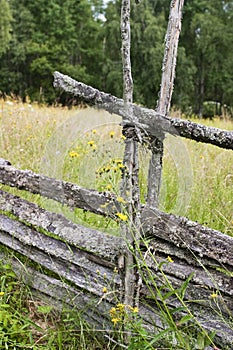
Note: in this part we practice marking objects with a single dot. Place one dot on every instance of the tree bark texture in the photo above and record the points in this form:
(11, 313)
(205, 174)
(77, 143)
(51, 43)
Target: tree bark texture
(86, 239)
(148, 121)
(181, 231)
(164, 101)
(74, 196)
(130, 182)
(81, 271)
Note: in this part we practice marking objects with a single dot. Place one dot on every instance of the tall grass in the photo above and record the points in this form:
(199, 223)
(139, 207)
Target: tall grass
(85, 146)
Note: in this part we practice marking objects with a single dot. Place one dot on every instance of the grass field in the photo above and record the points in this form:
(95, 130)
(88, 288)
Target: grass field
(85, 146)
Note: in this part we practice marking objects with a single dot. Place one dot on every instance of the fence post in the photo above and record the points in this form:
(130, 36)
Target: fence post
(164, 101)
(130, 183)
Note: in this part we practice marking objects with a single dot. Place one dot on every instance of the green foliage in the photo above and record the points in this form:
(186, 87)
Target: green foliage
(5, 25)
(40, 37)
(207, 37)
(48, 36)
(14, 326)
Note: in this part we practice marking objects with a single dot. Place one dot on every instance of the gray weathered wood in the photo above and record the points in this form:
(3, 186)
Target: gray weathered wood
(88, 266)
(130, 182)
(61, 295)
(147, 120)
(72, 195)
(188, 235)
(87, 239)
(70, 263)
(164, 101)
(81, 278)
(177, 229)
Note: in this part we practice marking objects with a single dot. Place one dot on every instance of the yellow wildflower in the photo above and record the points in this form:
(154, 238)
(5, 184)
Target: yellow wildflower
(117, 160)
(91, 143)
(123, 137)
(169, 259)
(122, 216)
(133, 309)
(121, 307)
(121, 200)
(104, 290)
(115, 320)
(2, 293)
(107, 169)
(108, 187)
(112, 133)
(73, 154)
(113, 311)
(94, 131)
(214, 295)
(120, 166)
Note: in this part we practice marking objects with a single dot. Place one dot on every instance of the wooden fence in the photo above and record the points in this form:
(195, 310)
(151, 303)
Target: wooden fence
(78, 262)
(83, 268)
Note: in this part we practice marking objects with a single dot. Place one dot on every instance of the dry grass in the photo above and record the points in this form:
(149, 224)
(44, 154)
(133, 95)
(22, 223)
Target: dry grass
(197, 178)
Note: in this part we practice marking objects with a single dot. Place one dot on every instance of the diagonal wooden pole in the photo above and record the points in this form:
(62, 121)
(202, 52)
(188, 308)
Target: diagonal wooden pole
(165, 95)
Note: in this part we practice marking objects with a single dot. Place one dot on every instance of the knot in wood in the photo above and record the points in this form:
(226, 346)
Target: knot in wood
(155, 144)
(130, 132)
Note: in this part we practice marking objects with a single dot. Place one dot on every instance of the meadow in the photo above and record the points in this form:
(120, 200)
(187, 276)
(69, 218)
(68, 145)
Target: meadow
(86, 146)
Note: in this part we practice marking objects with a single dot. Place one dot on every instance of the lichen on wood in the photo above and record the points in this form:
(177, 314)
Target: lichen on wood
(147, 120)
(103, 203)
(86, 239)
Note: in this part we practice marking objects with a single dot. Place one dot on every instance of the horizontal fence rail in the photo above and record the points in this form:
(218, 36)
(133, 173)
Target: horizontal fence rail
(147, 120)
(72, 195)
(76, 263)
(171, 227)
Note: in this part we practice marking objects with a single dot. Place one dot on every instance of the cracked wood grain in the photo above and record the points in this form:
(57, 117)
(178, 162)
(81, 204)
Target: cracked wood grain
(103, 203)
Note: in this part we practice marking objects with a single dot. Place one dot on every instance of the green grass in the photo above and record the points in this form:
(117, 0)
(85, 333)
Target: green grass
(27, 322)
(86, 147)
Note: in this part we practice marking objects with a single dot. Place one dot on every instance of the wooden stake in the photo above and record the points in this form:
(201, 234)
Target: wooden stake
(129, 187)
(163, 104)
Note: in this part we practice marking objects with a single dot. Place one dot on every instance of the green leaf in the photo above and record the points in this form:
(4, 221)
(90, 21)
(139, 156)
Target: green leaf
(184, 286)
(44, 309)
(159, 336)
(168, 294)
(185, 319)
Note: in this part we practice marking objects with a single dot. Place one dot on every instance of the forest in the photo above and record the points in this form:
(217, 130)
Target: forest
(82, 39)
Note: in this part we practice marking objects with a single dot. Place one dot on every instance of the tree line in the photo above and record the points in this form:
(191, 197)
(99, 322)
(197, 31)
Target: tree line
(82, 39)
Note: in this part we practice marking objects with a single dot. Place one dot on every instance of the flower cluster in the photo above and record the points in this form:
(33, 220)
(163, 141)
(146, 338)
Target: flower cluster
(113, 165)
(74, 154)
(118, 313)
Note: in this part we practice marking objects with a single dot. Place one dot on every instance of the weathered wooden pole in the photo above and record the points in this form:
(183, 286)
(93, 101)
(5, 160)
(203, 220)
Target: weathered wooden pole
(164, 101)
(129, 187)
